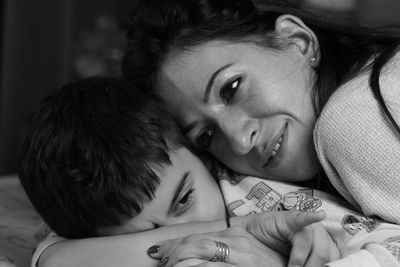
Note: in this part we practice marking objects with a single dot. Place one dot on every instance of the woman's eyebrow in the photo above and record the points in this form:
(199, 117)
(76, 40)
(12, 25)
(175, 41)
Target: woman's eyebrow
(178, 191)
(188, 128)
(210, 83)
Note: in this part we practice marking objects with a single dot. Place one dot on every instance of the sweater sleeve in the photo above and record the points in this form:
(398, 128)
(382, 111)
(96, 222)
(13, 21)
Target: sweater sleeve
(358, 146)
(374, 255)
(360, 258)
(373, 247)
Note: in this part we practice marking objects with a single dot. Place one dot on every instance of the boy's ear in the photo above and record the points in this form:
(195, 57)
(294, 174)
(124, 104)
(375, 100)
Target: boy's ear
(297, 33)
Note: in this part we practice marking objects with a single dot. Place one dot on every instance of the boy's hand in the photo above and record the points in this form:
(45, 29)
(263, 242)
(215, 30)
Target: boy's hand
(311, 245)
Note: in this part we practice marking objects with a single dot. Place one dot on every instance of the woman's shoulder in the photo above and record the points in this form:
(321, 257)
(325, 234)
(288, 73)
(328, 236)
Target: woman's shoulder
(390, 81)
(347, 108)
(353, 119)
(355, 100)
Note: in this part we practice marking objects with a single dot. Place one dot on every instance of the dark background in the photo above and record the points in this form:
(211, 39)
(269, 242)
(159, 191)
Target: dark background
(46, 43)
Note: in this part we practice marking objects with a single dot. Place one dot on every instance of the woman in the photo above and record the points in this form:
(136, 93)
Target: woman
(298, 61)
(275, 92)
(248, 86)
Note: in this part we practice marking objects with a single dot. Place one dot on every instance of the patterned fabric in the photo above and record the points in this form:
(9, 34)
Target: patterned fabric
(350, 230)
(392, 244)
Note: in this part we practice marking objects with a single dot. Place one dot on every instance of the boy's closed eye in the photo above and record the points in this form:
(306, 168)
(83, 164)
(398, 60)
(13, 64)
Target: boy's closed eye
(187, 193)
(183, 198)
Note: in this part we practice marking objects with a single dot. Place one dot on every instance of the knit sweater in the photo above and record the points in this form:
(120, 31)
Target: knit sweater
(358, 147)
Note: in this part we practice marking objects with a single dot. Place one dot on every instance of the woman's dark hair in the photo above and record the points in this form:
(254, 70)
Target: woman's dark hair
(88, 154)
(159, 28)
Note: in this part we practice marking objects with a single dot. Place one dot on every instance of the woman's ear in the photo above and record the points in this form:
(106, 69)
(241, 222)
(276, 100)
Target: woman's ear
(297, 33)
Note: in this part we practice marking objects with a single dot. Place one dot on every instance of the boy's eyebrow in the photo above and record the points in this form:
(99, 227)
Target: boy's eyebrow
(178, 191)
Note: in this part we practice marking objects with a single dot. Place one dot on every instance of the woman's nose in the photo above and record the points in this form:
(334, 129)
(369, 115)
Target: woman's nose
(241, 134)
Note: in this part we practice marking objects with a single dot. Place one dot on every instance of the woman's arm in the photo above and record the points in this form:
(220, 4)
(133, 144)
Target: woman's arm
(126, 250)
(256, 244)
(123, 250)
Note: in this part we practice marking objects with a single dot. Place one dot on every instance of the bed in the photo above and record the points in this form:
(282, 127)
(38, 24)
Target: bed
(18, 223)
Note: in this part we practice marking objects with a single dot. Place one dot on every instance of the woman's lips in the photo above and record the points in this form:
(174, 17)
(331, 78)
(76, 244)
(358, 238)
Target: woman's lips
(277, 148)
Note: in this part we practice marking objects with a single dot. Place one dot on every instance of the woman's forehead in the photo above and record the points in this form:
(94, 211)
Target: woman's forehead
(191, 69)
(185, 73)
(205, 58)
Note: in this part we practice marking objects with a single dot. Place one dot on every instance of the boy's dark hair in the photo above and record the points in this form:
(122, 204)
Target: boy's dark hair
(88, 155)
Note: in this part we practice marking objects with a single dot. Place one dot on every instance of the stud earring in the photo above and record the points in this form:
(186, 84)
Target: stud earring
(313, 61)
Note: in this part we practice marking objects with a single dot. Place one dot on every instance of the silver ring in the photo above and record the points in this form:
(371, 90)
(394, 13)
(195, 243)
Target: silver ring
(221, 252)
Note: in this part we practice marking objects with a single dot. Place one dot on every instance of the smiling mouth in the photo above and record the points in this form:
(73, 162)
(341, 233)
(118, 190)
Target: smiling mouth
(275, 150)
(274, 153)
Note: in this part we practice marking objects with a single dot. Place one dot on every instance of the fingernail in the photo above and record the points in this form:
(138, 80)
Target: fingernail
(153, 250)
(163, 262)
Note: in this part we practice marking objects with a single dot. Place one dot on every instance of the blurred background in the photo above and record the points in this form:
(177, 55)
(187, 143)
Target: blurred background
(46, 43)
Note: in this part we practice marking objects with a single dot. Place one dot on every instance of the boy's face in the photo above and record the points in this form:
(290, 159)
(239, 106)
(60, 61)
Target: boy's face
(187, 193)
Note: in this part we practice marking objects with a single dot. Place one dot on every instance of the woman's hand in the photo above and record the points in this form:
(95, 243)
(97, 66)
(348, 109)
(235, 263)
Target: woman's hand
(244, 250)
(298, 234)
(313, 247)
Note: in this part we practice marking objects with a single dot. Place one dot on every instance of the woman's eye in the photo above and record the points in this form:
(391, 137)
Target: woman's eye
(205, 138)
(229, 90)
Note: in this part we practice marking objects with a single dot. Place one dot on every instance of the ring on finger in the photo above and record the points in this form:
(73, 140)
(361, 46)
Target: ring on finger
(221, 252)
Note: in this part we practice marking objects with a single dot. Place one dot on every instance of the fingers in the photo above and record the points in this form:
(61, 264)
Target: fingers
(189, 262)
(193, 247)
(244, 250)
(313, 247)
(276, 229)
(201, 263)
(281, 225)
(199, 242)
(210, 264)
(324, 248)
(296, 221)
(201, 249)
(302, 244)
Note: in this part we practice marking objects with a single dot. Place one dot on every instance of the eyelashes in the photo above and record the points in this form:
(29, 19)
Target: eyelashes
(184, 203)
(185, 197)
(205, 138)
(227, 94)
(229, 90)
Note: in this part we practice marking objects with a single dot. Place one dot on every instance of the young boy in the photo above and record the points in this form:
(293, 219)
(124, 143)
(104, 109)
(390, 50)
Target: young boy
(99, 158)
(94, 155)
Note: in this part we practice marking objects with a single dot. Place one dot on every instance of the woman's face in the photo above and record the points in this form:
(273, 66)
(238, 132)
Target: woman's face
(249, 106)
